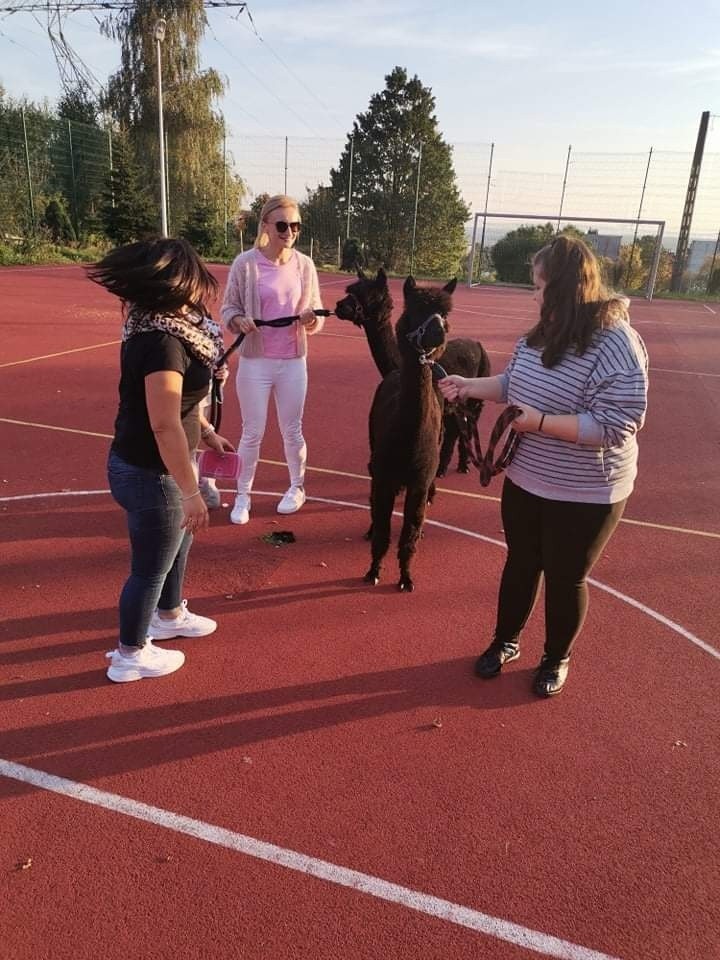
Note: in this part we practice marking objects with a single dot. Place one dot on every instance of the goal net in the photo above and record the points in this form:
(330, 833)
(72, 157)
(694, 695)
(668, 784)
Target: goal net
(631, 253)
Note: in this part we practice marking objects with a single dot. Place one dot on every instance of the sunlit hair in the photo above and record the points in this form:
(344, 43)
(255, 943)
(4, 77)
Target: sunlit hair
(281, 201)
(576, 302)
(163, 276)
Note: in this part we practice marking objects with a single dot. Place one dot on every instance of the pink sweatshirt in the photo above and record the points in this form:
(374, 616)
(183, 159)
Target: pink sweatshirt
(242, 299)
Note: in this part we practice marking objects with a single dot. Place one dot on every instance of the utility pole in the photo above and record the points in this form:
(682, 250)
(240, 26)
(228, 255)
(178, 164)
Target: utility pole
(681, 253)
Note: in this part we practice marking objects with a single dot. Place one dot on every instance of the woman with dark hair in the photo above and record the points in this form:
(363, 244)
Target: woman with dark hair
(579, 376)
(169, 348)
(271, 281)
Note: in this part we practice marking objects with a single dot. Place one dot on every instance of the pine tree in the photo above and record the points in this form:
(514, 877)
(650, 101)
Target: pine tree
(129, 211)
(396, 135)
(202, 229)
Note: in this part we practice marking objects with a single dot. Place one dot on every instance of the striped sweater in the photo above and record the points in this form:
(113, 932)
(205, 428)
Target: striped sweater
(607, 388)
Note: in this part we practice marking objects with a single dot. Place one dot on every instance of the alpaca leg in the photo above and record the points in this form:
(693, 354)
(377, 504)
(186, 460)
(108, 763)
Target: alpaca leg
(413, 517)
(381, 506)
(463, 455)
(471, 418)
(368, 533)
(449, 436)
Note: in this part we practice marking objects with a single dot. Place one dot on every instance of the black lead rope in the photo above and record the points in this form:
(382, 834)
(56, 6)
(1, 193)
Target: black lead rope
(216, 395)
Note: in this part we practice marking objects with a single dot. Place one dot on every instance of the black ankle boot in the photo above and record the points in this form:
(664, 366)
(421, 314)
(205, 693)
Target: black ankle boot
(550, 676)
(490, 663)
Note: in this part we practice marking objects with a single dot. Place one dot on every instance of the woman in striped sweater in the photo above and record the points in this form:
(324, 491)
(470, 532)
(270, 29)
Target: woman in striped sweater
(580, 378)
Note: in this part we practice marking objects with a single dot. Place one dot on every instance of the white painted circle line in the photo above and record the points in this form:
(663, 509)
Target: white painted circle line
(648, 611)
(311, 866)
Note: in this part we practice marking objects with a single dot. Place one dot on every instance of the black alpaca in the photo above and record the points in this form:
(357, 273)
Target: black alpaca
(368, 304)
(405, 427)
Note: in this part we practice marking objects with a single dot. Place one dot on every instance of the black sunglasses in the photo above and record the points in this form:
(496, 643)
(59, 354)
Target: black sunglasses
(282, 226)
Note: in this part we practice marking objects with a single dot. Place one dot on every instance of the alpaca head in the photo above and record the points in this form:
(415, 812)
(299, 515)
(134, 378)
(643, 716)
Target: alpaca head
(422, 328)
(367, 301)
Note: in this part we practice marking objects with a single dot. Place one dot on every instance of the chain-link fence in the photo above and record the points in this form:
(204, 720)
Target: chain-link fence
(52, 175)
(43, 159)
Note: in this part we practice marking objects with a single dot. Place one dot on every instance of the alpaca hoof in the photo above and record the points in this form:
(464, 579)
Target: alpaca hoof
(441, 472)
(464, 468)
(406, 585)
(372, 577)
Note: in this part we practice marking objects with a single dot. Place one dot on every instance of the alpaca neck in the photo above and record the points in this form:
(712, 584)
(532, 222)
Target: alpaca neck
(417, 394)
(381, 340)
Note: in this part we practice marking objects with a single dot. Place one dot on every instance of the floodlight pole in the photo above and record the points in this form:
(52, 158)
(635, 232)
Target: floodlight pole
(160, 27)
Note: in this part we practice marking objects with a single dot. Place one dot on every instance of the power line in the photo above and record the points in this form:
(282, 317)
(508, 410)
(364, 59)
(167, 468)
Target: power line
(77, 6)
(292, 73)
(262, 84)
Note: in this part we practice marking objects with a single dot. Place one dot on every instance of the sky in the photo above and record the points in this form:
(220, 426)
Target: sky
(616, 77)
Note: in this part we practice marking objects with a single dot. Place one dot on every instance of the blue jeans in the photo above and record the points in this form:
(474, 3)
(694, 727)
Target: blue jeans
(159, 545)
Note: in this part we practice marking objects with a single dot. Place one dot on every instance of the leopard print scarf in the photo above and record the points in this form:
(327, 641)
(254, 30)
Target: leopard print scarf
(199, 332)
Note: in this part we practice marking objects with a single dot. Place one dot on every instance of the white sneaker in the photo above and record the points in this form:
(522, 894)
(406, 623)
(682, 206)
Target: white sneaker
(149, 661)
(186, 625)
(292, 501)
(209, 492)
(240, 513)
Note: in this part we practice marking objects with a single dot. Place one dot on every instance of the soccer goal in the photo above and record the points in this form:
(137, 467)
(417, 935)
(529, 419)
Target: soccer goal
(630, 252)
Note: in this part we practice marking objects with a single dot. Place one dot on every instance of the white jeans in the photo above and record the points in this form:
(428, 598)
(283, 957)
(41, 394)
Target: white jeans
(255, 380)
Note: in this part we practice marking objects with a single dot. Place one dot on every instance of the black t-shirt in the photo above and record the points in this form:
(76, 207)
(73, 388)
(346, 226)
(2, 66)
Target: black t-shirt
(146, 353)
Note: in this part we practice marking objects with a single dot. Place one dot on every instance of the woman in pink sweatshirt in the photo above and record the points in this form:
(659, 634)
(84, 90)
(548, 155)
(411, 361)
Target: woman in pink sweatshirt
(270, 281)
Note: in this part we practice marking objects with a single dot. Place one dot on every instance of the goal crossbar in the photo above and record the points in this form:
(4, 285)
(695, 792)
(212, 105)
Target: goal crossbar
(550, 218)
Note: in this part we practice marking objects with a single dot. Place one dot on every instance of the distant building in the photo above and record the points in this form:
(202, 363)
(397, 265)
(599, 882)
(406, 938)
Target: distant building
(603, 245)
(698, 253)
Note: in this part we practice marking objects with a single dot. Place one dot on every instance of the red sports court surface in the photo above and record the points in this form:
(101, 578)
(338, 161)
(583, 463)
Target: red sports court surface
(325, 778)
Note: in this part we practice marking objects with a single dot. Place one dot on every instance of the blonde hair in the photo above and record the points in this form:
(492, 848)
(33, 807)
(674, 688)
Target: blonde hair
(280, 201)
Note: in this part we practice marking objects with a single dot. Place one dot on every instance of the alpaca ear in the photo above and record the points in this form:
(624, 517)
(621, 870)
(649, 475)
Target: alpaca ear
(409, 286)
(450, 285)
(381, 278)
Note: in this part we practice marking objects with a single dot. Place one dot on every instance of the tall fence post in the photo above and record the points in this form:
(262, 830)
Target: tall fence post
(349, 196)
(110, 158)
(562, 195)
(642, 198)
(482, 235)
(417, 199)
(167, 183)
(73, 182)
(712, 264)
(225, 190)
(27, 170)
(286, 164)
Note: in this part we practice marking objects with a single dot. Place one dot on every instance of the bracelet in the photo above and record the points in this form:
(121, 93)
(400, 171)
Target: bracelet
(205, 432)
(542, 420)
(196, 494)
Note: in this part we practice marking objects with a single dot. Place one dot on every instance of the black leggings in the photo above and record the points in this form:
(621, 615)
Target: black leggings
(561, 540)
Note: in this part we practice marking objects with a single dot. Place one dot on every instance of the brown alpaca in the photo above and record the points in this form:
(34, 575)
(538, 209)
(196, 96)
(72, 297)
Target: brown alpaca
(368, 304)
(405, 427)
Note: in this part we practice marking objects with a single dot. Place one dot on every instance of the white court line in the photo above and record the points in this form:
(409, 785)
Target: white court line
(631, 601)
(710, 309)
(423, 903)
